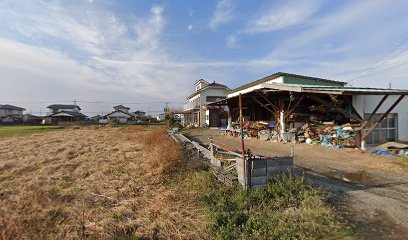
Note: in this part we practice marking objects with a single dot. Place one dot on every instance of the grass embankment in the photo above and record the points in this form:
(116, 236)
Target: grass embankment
(289, 208)
(11, 131)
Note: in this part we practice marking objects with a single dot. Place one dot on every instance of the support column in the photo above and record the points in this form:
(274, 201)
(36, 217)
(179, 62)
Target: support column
(229, 126)
(241, 126)
(282, 123)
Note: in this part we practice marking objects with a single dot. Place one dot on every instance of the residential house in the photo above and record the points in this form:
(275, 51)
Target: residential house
(139, 115)
(120, 114)
(10, 110)
(197, 113)
(10, 113)
(161, 117)
(63, 113)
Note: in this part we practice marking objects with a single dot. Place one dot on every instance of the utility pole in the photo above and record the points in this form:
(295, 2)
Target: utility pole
(167, 107)
(75, 105)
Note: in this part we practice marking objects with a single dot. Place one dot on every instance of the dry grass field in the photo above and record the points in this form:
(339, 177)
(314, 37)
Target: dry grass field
(93, 183)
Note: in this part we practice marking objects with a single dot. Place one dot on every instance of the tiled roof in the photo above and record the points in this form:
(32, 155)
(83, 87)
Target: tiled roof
(10, 107)
(72, 113)
(63, 106)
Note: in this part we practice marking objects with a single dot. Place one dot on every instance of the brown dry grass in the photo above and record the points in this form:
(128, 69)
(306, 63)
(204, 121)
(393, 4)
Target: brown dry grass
(94, 183)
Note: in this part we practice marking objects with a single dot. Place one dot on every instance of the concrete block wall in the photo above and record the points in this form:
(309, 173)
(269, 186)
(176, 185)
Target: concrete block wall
(264, 169)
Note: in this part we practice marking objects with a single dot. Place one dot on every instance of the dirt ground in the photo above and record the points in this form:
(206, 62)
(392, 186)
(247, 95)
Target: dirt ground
(372, 189)
(93, 183)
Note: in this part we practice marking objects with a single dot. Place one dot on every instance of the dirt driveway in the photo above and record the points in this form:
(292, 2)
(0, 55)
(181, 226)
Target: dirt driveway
(373, 189)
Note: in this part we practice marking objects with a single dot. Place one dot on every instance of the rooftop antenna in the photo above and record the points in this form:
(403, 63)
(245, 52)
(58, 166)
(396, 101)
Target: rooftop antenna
(389, 85)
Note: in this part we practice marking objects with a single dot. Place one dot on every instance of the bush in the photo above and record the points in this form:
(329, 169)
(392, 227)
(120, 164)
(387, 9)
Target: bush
(288, 208)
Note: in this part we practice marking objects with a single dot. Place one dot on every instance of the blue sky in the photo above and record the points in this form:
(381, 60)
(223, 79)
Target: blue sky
(142, 52)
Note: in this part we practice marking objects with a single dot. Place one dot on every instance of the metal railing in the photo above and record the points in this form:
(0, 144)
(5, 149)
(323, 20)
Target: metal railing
(190, 106)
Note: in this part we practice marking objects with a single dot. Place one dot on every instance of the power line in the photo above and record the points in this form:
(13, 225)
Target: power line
(380, 70)
(381, 62)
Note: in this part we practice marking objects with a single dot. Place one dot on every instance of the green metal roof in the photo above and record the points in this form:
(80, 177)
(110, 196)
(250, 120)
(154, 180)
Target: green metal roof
(354, 90)
(283, 74)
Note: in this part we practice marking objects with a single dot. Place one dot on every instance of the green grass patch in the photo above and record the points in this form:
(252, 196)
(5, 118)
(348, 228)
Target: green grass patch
(11, 131)
(186, 132)
(403, 159)
(289, 208)
(224, 155)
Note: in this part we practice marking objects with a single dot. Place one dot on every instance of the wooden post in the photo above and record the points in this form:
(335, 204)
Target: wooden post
(241, 126)
(292, 150)
(248, 169)
(382, 118)
(282, 123)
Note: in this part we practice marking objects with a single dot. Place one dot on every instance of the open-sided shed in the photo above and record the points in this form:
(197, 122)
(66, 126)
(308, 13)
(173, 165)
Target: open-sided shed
(290, 100)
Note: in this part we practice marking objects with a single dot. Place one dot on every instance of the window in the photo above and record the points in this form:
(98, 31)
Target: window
(386, 131)
(214, 98)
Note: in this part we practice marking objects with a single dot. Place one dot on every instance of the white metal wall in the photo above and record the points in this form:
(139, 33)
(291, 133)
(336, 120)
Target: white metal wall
(366, 104)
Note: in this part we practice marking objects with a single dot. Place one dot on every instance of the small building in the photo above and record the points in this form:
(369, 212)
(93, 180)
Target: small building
(121, 108)
(64, 113)
(32, 119)
(120, 115)
(139, 114)
(161, 117)
(197, 113)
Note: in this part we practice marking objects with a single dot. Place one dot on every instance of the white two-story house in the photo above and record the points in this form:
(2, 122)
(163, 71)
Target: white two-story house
(10, 110)
(10, 113)
(196, 113)
(120, 114)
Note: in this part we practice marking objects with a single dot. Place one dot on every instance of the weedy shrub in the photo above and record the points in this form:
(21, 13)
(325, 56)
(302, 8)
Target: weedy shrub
(288, 208)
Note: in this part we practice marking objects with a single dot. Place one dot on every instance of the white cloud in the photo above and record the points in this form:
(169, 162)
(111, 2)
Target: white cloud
(340, 45)
(231, 41)
(191, 12)
(222, 14)
(190, 27)
(102, 59)
(292, 13)
(149, 32)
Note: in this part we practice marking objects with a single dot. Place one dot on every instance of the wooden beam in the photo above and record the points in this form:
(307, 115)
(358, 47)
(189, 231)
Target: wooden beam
(281, 87)
(293, 108)
(338, 109)
(371, 129)
(324, 92)
(263, 105)
(221, 109)
(365, 123)
(346, 98)
(276, 109)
